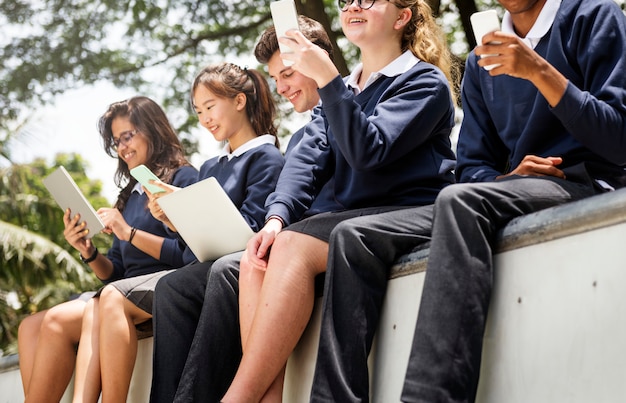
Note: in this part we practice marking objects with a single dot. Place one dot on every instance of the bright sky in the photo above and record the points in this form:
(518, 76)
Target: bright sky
(71, 126)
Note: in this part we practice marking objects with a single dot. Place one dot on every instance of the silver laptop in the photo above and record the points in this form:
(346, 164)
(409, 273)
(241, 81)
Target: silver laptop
(207, 219)
(67, 194)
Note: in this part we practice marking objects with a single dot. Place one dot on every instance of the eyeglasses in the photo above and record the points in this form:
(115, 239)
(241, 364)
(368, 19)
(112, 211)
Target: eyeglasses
(363, 4)
(124, 139)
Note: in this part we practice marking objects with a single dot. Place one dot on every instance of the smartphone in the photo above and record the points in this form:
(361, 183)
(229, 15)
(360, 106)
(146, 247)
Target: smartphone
(484, 22)
(285, 17)
(143, 176)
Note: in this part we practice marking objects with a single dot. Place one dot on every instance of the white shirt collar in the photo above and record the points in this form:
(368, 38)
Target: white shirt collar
(540, 28)
(249, 145)
(399, 66)
(137, 188)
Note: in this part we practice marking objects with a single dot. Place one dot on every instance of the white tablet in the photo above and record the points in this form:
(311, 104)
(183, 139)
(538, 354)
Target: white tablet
(207, 220)
(67, 194)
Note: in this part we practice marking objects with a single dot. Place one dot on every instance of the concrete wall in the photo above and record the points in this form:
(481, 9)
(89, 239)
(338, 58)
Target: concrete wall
(556, 327)
(557, 324)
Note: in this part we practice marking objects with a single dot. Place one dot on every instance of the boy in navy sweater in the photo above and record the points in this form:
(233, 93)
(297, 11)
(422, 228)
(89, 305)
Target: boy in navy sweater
(197, 346)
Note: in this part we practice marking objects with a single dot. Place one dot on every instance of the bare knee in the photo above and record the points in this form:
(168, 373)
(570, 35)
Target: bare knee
(30, 326)
(300, 252)
(64, 320)
(111, 299)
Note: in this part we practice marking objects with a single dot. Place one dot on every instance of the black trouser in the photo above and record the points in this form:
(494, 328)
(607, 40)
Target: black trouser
(197, 346)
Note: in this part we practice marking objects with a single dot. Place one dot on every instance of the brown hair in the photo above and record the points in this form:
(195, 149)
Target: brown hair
(311, 29)
(165, 153)
(227, 80)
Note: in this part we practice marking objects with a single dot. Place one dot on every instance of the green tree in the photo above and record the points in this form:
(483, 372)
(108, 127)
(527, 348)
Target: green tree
(154, 46)
(39, 267)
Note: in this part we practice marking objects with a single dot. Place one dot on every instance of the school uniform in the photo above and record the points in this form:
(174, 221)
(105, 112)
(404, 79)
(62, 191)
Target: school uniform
(131, 266)
(247, 175)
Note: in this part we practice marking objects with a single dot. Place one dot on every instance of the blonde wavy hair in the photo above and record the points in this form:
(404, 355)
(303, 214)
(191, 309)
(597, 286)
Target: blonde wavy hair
(427, 41)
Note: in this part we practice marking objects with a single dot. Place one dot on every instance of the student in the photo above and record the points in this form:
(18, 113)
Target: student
(195, 359)
(382, 136)
(236, 106)
(136, 131)
(544, 128)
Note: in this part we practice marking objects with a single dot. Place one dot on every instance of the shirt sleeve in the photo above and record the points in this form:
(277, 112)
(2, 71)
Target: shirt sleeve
(368, 141)
(596, 116)
(260, 182)
(307, 168)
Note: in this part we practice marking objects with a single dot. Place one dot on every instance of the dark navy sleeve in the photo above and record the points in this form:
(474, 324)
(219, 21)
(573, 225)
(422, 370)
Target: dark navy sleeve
(374, 140)
(260, 182)
(482, 154)
(504, 120)
(307, 168)
(594, 110)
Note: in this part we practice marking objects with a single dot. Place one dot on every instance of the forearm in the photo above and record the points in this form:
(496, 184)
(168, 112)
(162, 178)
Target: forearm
(550, 82)
(146, 242)
(99, 264)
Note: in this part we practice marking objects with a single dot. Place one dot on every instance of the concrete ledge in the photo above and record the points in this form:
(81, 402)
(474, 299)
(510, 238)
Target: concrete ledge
(546, 225)
(9, 362)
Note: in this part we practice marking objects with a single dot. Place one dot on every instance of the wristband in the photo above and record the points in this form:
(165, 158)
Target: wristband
(133, 230)
(276, 217)
(91, 258)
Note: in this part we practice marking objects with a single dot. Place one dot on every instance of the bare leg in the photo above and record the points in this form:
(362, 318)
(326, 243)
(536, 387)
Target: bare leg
(27, 338)
(250, 290)
(55, 353)
(118, 343)
(87, 384)
(284, 307)
(275, 392)
(250, 283)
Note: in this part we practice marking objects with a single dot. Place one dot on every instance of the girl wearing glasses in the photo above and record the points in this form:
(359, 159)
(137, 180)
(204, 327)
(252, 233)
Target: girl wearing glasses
(237, 107)
(381, 136)
(136, 131)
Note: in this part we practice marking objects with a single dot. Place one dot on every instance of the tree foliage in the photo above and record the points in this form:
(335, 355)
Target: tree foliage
(154, 46)
(39, 267)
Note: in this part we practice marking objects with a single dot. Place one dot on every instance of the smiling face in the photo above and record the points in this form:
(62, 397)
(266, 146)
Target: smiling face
(223, 117)
(522, 6)
(135, 151)
(372, 28)
(299, 89)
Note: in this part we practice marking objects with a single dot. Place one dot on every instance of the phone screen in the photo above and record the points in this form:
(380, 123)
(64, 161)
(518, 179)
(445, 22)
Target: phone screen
(143, 176)
(285, 17)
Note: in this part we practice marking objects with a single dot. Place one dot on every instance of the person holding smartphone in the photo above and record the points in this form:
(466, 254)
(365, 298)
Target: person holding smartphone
(543, 127)
(135, 131)
(236, 106)
(195, 359)
(381, 136)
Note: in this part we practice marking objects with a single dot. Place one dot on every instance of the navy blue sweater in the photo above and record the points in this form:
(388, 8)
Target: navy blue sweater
(506, 118)
(388, 145)
(128, 261)
(247, 179)
(325, 199)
